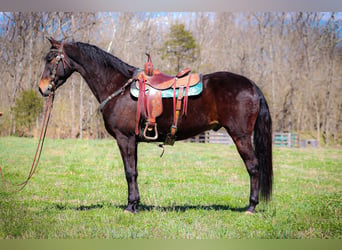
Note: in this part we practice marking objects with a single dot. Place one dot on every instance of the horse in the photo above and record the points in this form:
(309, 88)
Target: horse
(228, 100)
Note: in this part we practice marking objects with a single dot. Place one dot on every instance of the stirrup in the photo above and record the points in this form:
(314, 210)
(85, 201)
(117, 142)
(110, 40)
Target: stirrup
(155, 137)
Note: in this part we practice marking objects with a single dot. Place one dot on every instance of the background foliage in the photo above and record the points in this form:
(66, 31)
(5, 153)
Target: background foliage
(295, 57)
(27, 107)
(180, 48)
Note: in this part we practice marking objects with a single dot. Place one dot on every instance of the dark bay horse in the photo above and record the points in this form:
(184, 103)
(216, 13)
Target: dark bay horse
(228, 100)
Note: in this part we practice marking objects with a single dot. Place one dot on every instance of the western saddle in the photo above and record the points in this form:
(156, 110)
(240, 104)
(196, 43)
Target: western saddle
(152, 85)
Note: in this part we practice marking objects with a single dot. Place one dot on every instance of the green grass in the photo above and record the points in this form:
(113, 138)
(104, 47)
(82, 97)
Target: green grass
(196, 191)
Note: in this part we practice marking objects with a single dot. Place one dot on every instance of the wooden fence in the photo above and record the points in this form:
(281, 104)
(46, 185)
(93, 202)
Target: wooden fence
(220, 137)
(290, 140)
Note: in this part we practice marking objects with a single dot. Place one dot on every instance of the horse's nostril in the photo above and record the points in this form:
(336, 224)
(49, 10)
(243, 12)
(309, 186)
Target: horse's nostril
(45, 93)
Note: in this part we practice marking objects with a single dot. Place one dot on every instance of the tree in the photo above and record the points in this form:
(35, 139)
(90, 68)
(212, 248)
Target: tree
(180, 48)
(26, 110)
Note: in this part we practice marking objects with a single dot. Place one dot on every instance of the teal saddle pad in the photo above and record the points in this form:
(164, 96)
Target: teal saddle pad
(168, 93)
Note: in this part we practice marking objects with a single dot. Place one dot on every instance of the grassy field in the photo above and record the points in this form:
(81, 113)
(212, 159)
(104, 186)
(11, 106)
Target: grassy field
(80, 191)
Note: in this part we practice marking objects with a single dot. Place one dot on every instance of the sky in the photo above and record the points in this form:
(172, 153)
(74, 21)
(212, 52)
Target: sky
(174, 5)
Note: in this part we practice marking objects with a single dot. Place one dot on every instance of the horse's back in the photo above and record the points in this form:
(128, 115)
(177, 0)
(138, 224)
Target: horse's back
(224, 82)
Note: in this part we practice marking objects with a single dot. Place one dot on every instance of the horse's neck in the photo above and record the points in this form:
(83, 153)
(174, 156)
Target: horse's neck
(102, 81)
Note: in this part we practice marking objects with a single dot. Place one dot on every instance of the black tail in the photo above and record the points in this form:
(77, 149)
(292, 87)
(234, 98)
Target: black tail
(263, 148)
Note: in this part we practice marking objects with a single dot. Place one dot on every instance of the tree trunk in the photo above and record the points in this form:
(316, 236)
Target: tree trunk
(328, 108)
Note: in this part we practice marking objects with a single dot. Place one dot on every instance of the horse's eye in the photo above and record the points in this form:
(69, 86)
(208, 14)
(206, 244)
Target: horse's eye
(49, 57)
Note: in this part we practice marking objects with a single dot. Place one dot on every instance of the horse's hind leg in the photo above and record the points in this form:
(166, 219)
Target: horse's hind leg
(245, 149)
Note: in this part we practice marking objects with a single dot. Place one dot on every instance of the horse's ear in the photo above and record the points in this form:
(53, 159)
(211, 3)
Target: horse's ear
(54, 43)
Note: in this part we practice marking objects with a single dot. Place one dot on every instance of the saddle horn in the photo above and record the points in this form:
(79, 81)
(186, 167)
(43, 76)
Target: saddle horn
(148, 66)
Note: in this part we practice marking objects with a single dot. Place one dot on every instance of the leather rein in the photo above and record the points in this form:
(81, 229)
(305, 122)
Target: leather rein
(48, 110)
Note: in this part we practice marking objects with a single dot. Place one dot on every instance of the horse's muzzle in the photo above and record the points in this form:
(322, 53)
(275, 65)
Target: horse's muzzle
(45, 87)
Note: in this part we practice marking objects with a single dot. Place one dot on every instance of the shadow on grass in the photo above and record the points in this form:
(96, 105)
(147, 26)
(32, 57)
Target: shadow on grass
(143, 207)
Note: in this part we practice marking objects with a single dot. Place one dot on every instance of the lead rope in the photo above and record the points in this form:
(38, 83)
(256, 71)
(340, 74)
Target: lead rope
(47, 115)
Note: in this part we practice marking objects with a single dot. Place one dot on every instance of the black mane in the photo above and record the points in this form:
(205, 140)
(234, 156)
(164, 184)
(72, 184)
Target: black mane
(108, 60)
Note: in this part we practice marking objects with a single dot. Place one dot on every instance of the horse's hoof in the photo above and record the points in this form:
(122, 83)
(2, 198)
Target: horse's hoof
(128, 211)
(249, 212)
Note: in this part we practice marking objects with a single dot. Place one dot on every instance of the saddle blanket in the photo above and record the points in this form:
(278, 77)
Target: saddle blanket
(169, 93)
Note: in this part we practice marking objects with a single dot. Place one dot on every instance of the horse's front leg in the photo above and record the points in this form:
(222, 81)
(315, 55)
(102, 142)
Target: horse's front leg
(128, 149)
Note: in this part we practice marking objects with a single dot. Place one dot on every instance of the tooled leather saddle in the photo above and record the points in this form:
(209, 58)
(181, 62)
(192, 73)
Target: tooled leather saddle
(152, 86)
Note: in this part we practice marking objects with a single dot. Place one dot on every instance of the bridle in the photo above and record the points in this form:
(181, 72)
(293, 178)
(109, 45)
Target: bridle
(59, 57)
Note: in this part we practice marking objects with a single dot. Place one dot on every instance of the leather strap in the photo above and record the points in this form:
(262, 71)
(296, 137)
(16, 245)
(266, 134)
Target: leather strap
(186, 97)
(177, 109)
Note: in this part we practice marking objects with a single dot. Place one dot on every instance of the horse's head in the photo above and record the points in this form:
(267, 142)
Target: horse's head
(57, 68)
